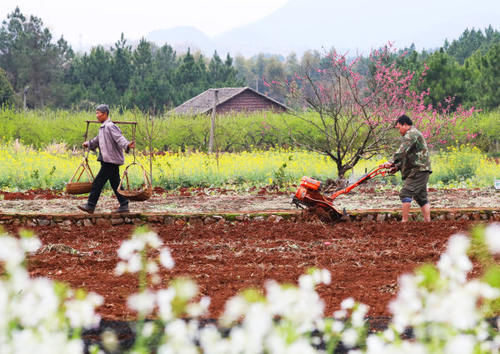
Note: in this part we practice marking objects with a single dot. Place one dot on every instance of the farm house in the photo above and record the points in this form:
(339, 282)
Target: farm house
(229, 99)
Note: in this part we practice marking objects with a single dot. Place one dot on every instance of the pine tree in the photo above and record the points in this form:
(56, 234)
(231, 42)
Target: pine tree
(6, 90)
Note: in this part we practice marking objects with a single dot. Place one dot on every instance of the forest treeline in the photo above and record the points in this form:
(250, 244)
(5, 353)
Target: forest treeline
(37, 71)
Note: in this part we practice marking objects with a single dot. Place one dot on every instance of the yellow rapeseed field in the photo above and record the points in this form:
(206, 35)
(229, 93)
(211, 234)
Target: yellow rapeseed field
(24, 168)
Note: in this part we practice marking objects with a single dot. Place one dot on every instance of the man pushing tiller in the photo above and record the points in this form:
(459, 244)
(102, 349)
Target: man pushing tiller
(111, 144)
(412, 159)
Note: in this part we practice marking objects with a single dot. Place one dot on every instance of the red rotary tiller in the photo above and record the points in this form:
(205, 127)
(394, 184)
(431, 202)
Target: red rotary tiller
(309, 195)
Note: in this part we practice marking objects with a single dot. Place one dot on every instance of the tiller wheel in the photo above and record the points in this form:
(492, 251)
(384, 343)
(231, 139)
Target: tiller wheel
(308, 195)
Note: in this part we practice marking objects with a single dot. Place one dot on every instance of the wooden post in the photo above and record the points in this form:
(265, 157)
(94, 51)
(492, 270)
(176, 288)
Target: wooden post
(212, 124)
(25, 93)
(150, 138)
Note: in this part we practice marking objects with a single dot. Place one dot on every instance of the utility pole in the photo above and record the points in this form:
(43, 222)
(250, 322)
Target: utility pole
(24, 96)
(212, 124)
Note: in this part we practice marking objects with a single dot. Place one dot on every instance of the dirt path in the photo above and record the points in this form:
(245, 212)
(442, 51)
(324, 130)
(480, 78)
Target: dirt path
(219, 200)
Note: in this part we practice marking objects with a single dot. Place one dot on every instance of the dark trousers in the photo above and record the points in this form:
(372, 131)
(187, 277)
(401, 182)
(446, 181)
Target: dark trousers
(111, 172)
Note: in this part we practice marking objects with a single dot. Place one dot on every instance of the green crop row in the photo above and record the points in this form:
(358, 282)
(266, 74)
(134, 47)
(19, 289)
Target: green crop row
(170, 133)
(233, 133)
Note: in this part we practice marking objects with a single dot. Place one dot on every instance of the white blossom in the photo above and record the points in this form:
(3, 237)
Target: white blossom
(461, 344)
(186, 289)
(389, 335)
(375, 345)
(143, 302)
(36, 304)
(198, 309)
(338, 326)
(350, 337)
(181, 337)
(302, 306)
(30, 244)
(340, 314)
(454, 263)
(11, 254)
(405, 308)
(148, 329)
(347, 304)
(256, 325)
(29, 341)
(492, 237)
(211, 341)
(130, 247)
(166, 259)
(121, 268)
(151, 238)
(234, 308)
(306, 281)
(300, 346)
(152, 267)
(457, 308)
(81, 312)
(358, 315)
(164, 299)
(110, 340)
(321, 276)
(134, 264)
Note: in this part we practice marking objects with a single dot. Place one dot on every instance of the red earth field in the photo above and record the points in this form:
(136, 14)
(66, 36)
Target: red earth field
(225, 257)
(364, 258)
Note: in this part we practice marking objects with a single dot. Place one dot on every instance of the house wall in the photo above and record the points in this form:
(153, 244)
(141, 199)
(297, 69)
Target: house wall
(248, 101)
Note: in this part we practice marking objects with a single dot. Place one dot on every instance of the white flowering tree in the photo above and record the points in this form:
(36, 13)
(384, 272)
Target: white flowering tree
(39, 315)
(447, 311)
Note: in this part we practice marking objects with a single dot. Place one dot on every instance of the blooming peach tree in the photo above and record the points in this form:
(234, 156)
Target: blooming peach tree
(356, 107)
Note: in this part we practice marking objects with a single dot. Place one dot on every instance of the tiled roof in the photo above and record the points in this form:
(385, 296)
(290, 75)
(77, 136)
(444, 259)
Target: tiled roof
(204, 102)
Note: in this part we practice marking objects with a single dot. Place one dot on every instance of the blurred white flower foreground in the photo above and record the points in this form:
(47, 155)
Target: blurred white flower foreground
(39, 315)
(447, 311)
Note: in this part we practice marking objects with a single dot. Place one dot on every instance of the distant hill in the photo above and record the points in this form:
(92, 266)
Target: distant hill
(183, 37)
(354, 26)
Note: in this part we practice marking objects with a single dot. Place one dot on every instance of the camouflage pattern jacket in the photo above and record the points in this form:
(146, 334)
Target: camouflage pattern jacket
(412, 155)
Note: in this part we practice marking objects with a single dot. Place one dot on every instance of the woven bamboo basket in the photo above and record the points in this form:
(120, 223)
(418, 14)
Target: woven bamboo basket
(77, 187)
(146, 190)
(137, 195)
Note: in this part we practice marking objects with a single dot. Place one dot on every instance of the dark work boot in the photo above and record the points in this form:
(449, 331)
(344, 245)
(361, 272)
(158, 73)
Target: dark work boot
(86, 208)
(123, 209)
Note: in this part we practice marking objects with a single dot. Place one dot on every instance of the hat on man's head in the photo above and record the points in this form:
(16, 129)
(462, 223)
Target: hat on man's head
(103, 108)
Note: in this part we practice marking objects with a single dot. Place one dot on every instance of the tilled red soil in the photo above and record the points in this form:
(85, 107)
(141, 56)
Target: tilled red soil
(365, 258)
(32, 194)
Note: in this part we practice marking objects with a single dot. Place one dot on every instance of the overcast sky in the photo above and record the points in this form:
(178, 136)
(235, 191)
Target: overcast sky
(84, 22)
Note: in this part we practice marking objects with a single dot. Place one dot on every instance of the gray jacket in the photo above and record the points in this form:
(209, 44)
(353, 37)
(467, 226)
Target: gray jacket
(111, 143)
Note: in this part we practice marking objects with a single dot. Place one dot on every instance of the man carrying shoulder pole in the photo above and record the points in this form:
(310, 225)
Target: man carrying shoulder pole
(412, 159)
(111, 144)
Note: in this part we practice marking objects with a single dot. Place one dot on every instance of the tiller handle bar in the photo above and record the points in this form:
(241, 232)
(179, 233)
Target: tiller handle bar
(378, 171)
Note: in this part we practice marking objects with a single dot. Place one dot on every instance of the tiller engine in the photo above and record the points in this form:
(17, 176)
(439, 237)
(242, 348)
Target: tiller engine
(309, 193)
